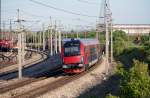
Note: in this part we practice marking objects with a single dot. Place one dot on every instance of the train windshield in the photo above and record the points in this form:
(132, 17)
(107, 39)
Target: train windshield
(72, 48)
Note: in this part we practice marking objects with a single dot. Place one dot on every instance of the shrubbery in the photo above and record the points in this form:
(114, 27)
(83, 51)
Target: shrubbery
(135, 82)
(111, 96)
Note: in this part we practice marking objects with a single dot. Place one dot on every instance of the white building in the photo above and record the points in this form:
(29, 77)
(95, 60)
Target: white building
(133, 28)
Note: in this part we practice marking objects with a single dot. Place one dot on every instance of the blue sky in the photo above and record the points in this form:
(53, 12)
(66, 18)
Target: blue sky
(124, 11)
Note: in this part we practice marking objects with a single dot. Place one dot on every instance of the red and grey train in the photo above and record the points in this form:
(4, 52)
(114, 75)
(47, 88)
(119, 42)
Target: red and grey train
(6, 45)
(79, 54)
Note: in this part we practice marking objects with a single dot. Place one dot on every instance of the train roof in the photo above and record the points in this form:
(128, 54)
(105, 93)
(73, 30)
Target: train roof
(87, 41)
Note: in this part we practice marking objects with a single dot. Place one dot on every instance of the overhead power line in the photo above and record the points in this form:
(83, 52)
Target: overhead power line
(31, 14)
(84, 1)
(62, 10)
(36, 22)
(34, 15)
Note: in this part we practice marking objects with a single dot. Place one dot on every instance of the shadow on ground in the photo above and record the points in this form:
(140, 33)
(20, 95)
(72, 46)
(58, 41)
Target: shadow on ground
(47, 68)
(111, 85)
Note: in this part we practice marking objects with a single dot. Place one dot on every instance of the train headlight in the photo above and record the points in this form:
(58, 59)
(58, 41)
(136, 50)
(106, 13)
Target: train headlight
(80, 65)
(65, 66)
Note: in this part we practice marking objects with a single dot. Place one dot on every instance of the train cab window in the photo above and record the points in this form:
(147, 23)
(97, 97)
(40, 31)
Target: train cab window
(72, 48)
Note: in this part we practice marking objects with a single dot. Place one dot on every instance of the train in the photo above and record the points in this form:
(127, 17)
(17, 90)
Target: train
(6, 45)
(79, 55)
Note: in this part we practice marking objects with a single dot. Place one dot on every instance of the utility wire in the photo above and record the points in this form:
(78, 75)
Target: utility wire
(84, 1)
(34, 15)
(30, 14)
(62, 10)
(36, 22)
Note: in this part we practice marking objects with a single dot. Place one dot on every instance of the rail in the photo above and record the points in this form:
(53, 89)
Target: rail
(27, 65)
(54, 85)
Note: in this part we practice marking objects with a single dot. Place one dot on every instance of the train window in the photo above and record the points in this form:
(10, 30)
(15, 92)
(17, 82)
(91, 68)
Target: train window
(71, 48)
(71, 51)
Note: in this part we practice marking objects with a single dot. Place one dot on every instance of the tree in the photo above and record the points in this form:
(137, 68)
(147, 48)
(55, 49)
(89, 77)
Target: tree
(119, 46)
(119, 33)
(119, 41)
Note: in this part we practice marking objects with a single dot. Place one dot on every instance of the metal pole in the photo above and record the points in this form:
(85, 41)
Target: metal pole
(48, 36)
(97, 37)
(77, 34)
(27, 36)
(37, 36)
(66, 34)
(35, 40)
(32, 40)
(22, 47)
(39, 40)
(85, 34)
(32, 34)
(55, 38)
(107, 46)
(34, 45)
(19, 46)
(51, 40)
(43, 38)
(107, 36)
(10, 29)
(19, 56)
(111, 42)
(3, 37)
(59, 39)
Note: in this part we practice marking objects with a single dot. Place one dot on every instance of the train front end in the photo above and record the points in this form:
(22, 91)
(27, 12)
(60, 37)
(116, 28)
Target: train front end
(73, 61)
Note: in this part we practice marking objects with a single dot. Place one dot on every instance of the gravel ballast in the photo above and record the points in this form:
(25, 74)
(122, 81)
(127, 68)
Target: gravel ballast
(77, 87)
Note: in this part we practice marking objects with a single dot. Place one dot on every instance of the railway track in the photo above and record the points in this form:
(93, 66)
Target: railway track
(10, 59)
(38, 77)
(7, 60)
(32, 93)
(32, 78)
(7, 73)
(6, 64)
(4, 58)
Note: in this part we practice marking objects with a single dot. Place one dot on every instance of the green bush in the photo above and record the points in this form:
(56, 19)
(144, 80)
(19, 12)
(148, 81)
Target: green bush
(135, 83)
(145, 40)
(119, 46)
(129, 54)
(111, 96)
